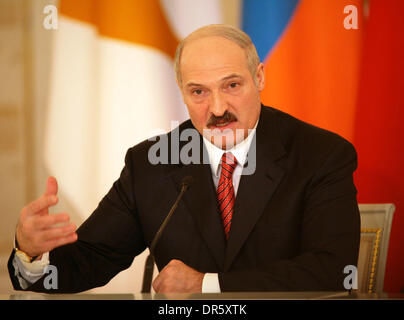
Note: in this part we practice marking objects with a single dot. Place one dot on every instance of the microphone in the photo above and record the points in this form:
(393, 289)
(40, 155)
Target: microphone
(149, 264)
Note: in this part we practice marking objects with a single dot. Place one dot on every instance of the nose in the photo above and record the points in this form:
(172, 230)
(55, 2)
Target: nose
(217, 104)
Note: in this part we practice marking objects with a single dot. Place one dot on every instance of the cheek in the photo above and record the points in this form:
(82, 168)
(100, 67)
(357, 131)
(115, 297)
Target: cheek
(241, 106)
(199, 115)
(247, 110)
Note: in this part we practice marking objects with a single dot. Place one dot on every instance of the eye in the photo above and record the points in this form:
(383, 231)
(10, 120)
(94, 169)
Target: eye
(197, 92)
(233, 85)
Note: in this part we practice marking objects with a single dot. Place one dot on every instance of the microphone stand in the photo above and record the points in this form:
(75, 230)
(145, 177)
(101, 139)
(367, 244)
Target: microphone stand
(149, 265)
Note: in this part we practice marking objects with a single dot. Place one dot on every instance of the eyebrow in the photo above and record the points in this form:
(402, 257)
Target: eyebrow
(230, 76)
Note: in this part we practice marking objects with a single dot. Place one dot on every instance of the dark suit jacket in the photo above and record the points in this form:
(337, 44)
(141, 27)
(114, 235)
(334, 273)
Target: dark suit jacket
(295, 226)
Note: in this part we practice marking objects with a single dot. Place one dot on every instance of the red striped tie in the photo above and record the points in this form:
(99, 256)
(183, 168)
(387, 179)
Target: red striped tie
(225, 191)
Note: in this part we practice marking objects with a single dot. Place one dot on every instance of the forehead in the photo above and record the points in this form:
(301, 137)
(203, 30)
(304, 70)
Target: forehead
(212, 57)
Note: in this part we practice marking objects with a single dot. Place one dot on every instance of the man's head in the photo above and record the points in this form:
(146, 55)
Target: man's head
(220, 77)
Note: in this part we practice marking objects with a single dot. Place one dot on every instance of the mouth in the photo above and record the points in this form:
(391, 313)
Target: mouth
(223, 122)
(222, 125)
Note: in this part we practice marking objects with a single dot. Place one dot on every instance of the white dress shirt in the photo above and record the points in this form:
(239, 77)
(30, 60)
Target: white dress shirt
(28, 273)
(210, 283)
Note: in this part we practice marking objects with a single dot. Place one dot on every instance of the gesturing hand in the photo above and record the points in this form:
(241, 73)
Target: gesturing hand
(37, 231)
(178, 277)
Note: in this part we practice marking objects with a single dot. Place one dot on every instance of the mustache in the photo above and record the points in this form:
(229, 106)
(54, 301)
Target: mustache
(226, 117)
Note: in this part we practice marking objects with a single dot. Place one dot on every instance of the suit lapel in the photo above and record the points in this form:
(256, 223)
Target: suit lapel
(256, 190)
(253, 194)
(201, 202)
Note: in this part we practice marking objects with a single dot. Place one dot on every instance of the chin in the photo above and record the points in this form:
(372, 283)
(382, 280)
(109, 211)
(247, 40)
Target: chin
(228, 141)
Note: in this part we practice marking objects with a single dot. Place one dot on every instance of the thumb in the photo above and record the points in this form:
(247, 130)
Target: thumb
(51, 186)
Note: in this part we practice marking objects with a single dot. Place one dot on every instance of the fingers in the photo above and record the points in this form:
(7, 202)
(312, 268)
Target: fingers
(55, 233)
(50, 227)
(39, 232)
(39, 235)
(61, 241)
(51, 186)
(159, 283)
(178, 277)
(40, 205)
(48, 221)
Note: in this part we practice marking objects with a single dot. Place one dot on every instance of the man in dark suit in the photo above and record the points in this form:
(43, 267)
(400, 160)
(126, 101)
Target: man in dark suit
(290, 223)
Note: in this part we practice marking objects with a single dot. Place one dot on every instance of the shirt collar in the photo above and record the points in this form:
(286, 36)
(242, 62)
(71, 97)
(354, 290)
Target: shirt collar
(239, 151)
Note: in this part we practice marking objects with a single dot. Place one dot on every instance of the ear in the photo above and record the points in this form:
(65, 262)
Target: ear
(178, 84)
(181, 91)
(260, 76)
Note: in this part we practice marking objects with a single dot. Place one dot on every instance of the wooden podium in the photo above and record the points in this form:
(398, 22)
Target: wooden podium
(208, 296)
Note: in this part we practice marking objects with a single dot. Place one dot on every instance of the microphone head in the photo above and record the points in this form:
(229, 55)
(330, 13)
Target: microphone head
(187, 181)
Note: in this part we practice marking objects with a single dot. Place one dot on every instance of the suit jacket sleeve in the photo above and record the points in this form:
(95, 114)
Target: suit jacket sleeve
(329, 238)
(107, 243)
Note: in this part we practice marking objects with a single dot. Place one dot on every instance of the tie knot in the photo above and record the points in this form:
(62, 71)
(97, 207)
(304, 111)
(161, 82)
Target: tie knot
(229, 162)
